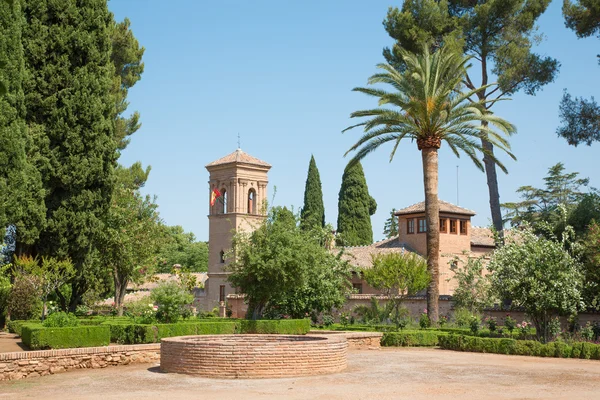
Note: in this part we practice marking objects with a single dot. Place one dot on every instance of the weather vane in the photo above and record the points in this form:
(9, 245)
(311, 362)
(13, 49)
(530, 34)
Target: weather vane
(239, 145)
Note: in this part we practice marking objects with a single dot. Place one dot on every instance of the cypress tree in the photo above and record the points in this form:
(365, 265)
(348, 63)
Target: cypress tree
(313, 212)
(355, 207)
(71, 105)
(21, 194)
(390, 229)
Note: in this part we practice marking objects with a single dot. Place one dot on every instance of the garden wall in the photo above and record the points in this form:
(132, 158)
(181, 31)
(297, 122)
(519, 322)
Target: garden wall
(19, 365)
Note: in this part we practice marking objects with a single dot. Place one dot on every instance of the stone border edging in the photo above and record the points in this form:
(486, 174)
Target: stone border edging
(20, 355)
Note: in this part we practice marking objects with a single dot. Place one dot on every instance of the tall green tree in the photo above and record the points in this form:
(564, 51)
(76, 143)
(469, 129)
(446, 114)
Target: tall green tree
(390, 229)
(580, 118)
(355, 207)
(283, 269)
(541, 204)
(498, 34)
(21, 193)
(70, 105)
(180, 247)
(126, 56)
(313, 212)
(427, 105)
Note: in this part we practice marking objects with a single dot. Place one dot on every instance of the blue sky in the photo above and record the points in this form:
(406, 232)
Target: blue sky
(280, 74)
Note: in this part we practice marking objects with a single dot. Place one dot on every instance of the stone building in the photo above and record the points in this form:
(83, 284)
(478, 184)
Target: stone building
(242, 182)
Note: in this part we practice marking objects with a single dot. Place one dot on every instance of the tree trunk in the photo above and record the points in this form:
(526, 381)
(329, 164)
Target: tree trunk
(432, 216)
(492, 182)
(120, 291)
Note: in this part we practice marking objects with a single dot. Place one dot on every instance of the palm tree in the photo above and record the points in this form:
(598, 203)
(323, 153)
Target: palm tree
(427, 104)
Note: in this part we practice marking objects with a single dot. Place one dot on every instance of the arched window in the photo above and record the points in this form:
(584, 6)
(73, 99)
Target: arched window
(223, 206)
(252, 201)
(222, 257)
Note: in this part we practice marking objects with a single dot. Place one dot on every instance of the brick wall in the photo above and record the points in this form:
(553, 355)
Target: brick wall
(28, 364)
(254, 356)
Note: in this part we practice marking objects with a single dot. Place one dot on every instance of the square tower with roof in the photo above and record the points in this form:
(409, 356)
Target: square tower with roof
(242, 182)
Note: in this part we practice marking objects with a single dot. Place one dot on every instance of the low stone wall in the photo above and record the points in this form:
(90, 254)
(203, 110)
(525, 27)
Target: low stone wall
(254, 356)
(28, 364)
(357, 340)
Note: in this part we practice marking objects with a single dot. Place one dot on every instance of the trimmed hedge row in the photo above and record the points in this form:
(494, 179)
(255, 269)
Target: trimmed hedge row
(128, 333)
(36, 336)
(425, 338)
(16, 325)
(520, 347)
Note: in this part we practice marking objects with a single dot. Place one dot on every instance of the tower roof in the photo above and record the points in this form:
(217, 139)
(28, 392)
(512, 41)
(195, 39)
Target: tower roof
(238, 156)
(444, 207)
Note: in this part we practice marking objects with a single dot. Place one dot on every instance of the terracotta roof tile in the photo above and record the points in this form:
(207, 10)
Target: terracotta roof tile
(444, 207)
(481, 236)
(238, 156)
(360, 256)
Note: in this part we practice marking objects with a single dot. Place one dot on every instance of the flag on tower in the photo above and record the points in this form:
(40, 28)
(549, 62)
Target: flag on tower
(215, 194)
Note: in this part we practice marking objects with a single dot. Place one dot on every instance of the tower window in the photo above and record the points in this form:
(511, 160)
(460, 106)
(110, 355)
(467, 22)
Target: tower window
(422, 225)
(410, 226)
(221, 293)
(222, 257)
(251, 201)
(463, 227)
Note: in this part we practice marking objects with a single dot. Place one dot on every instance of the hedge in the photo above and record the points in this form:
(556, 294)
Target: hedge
(16, 325)
(411, 338)
(520, 347)
(280, 326)
(36, 336)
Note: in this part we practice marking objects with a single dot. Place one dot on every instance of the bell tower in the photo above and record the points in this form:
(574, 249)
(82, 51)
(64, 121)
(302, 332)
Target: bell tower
(242, 182)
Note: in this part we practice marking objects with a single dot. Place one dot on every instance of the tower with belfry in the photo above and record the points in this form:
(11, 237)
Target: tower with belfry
(237, 195)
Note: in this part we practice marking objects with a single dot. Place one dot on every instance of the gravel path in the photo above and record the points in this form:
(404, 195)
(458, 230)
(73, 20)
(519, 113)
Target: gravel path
(384, 374)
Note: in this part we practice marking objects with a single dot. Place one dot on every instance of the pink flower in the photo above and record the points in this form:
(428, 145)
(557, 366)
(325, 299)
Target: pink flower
(424, 311)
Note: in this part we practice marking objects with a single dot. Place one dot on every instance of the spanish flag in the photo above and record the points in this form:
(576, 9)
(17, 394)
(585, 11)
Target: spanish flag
(214, 195)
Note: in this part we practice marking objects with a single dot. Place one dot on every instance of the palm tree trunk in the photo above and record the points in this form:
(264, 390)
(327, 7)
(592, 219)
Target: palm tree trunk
(432, 216)
(492, 182)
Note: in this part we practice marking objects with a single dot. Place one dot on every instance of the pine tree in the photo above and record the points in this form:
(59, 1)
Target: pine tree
(355, 207)
(71, 106)
(21, 194)
(313, 212)
(390, 229)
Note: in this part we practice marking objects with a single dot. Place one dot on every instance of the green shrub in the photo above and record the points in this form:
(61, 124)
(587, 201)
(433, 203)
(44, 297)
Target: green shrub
(520, 347)
(60, 320)
(172, 300)
(411, 338)
(36, 336)
(16, 325)
(280, 326)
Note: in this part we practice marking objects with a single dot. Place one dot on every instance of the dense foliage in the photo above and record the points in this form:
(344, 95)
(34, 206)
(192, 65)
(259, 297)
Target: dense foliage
(180, 247)
(390, 228)
(398, 276)
(355, 207)
(172, 300)
(472, 292)
(539, 275)
(284, 270)
(313, 212)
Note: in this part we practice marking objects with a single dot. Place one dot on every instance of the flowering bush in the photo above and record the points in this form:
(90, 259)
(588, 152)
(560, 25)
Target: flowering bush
(443, 320)
(524, 327)
(474, 324)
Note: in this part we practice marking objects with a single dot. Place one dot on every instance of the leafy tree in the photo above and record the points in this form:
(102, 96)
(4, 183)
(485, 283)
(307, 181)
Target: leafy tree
(355, 207)
(398, 276)
(172, 300)
(5, 287)
(130, 239)
(427, 106)
(390, 229)
(24, 299)
(539, 275)
(44, 277)
(473, 285)
(70, 107)
(21, 193)
(498, 34)
(180, 247)
(285, 270)
(591, 266)
(542, 204)
(126, 56)
(580, 118)
(313, 212)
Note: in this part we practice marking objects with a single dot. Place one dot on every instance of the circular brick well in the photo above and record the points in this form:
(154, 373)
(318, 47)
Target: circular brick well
(253, 356)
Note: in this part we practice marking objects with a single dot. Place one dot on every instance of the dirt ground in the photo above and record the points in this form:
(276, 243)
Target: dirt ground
(371, 374)
(10, 342)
